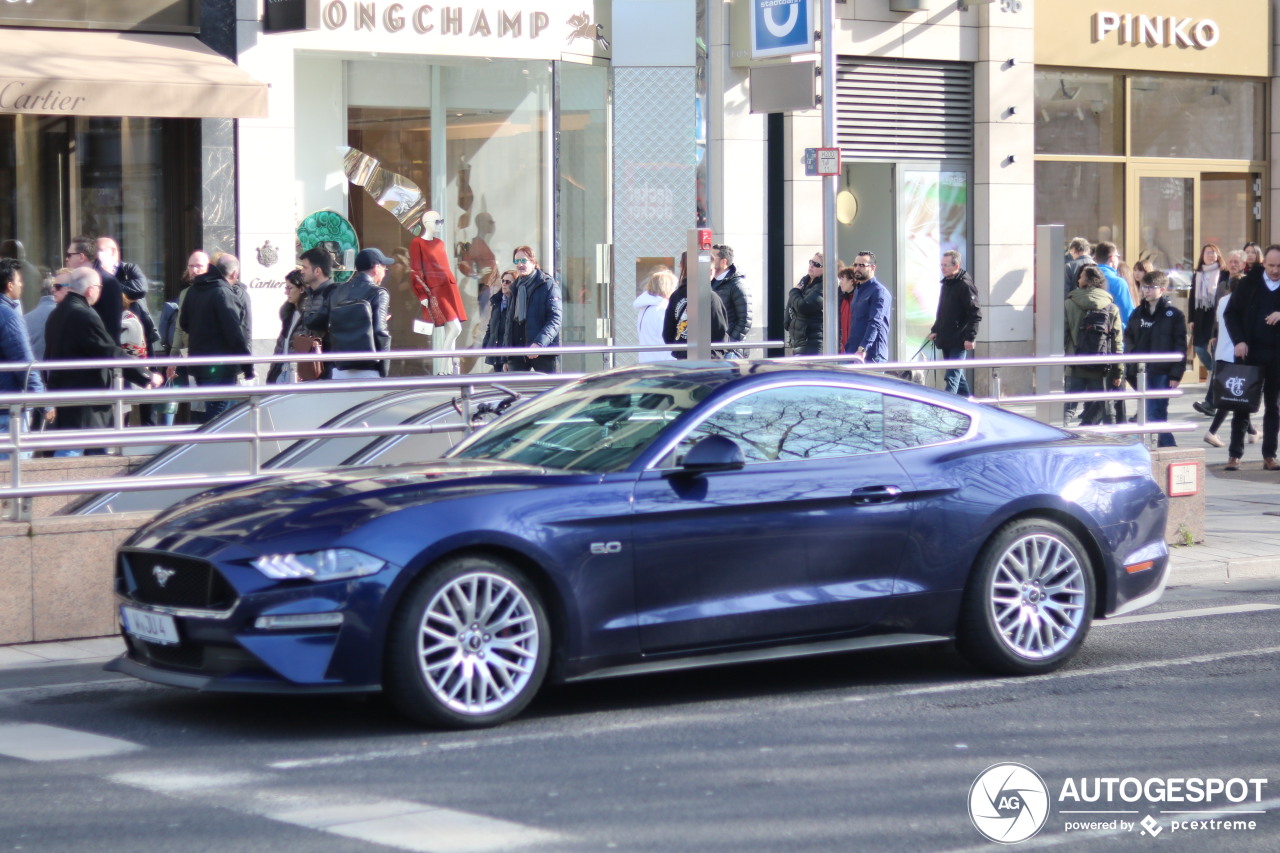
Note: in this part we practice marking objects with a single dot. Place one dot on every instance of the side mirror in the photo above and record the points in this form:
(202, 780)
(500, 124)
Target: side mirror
(713, 453)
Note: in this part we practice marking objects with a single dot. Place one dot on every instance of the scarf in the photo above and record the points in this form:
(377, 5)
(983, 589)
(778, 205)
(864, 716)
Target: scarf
(522, 288)
(1206, 285)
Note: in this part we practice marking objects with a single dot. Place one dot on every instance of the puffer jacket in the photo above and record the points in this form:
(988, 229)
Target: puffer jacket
(804, 316)
(958, 313)
(737, 304)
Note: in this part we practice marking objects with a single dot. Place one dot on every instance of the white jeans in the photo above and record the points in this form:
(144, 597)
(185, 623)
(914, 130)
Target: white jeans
(339, 373)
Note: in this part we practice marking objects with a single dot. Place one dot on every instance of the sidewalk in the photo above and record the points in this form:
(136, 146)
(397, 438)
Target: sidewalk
(1242, 536)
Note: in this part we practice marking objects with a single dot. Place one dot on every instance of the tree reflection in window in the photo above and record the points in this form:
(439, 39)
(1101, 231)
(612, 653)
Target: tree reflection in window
(799, 422)
(912, 423)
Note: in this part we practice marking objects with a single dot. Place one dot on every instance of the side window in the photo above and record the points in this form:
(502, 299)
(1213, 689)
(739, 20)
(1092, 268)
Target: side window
(911, 423)
(798, 422)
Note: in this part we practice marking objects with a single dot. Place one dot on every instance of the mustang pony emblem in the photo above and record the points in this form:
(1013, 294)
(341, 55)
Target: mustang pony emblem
(162, 575)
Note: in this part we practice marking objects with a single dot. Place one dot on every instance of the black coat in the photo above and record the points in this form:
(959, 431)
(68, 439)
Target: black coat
(1162, 329)
(675, 323)
(75, 332)
(216, 319)
(110, 304)
(497, 334)
(1241, 318)
(958, 312)
(804, 316)
(732, 289)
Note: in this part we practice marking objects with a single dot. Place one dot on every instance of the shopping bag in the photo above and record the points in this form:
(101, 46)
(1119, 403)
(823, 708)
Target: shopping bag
(309, 345)
(1237, 387)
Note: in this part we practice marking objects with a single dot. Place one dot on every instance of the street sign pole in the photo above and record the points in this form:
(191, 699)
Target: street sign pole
(830, 293)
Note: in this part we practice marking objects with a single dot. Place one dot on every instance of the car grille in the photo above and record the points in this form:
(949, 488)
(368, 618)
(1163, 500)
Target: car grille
(170, 580)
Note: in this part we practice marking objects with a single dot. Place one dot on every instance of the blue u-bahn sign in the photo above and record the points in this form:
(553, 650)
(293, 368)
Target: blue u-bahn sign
(781, 27)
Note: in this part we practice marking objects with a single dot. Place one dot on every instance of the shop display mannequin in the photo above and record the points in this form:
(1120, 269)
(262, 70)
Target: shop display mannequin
(436, 288)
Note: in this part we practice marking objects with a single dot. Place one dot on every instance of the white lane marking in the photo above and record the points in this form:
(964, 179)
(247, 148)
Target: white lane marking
(38, 742)
(1186, 614)
(404, 824)
(415, 826)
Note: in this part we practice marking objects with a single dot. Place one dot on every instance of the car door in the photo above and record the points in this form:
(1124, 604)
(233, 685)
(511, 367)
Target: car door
(804, 540)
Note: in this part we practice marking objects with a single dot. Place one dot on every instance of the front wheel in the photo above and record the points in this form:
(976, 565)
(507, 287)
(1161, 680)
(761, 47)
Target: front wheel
(469, 646)
(1029, 601)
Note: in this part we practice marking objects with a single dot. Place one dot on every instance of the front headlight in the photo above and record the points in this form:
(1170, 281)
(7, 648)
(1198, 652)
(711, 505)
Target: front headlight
(329, 565)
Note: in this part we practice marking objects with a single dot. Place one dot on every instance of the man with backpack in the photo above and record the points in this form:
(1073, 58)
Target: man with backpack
(353, 317)
(1093, 327)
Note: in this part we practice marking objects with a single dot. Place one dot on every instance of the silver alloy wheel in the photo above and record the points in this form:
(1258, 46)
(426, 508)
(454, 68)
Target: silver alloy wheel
(1038, 596)
(478, 643)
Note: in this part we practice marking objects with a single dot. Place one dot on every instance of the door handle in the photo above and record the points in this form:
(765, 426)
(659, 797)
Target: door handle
(875, 495)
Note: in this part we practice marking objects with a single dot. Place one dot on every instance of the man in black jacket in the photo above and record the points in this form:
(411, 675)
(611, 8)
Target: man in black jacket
(75, 332)
(83, 252)
(730, 284)
(216, 320)
(1157, 326)
(955, 326)
(1252, 318)
(352, 317)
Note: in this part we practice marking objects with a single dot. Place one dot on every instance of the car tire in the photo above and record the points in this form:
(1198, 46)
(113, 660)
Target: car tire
(1029, 601)
(469, 645)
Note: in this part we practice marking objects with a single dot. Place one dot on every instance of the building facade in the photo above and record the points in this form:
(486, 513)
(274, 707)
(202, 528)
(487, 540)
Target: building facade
(117, 118)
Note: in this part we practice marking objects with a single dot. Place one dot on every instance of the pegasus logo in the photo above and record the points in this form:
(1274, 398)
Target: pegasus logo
(162, 575)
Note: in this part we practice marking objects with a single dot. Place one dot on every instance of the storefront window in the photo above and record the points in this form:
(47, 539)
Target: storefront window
(583, 209)
(473, 140)
(63, 177)
(1079, 112)
(1087, 198)
(1197, 117)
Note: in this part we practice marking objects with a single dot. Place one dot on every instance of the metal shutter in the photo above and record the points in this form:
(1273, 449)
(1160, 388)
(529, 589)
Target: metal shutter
(904, 110)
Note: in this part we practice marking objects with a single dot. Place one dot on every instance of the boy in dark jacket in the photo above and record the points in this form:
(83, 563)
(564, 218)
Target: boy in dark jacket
(1157, 326)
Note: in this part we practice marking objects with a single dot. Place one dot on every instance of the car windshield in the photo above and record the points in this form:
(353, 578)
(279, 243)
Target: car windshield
(599, 424)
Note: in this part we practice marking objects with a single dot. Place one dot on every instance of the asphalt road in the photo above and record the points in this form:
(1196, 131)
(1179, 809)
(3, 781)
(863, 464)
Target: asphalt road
(856, 752)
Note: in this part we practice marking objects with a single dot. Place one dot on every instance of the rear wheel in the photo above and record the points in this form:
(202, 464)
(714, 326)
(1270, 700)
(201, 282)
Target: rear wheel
(1030, 599)
(469, 646)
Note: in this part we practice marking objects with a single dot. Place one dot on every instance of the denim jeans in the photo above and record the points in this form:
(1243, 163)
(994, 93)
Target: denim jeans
(1158, 409)
(957, 378)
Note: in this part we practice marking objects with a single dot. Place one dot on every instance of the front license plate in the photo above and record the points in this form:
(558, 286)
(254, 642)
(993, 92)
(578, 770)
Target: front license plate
(152, 627)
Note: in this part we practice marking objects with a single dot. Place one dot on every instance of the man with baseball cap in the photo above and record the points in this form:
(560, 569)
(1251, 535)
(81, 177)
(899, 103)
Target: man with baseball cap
(354, 317)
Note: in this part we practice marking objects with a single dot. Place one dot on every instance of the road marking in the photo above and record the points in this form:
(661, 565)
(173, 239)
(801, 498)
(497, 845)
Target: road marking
(404, 824)
(37, 742)
(1186, 614)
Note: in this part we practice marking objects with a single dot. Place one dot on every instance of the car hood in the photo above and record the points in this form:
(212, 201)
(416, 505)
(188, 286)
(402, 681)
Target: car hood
(280, 506)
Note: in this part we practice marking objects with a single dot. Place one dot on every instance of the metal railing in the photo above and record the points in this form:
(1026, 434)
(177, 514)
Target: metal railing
(17, 443)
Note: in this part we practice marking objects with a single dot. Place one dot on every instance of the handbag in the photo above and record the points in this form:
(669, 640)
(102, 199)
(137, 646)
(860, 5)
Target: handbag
(307, 344)
(1237, 387)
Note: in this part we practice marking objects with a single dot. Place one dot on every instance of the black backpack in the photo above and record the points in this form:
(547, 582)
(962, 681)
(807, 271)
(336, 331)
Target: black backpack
(351, 327)
(1093, 337)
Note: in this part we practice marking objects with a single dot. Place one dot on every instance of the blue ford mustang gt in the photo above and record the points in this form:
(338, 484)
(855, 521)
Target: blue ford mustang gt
(650, 518)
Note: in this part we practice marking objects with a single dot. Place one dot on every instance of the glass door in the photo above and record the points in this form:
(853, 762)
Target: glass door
(1165, 233)
(1230, 209)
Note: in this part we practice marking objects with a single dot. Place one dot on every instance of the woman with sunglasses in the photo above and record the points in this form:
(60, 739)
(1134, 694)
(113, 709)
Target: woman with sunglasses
(534, 314)
(497, 332)
(804, 311)
(290, 315)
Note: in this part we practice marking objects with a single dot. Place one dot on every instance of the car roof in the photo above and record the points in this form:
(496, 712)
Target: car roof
(722, 372)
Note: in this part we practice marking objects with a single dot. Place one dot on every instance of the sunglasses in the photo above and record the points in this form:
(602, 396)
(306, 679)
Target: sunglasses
(521, 262)
(817, 264)
(72, 255)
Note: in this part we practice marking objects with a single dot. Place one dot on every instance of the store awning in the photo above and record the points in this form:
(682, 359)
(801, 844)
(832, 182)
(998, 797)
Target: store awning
(57, 72)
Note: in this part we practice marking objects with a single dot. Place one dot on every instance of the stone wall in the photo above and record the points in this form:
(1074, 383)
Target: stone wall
(56, 576)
